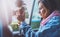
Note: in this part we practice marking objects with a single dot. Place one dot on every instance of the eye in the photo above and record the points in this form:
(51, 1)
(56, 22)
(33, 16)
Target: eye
(40, 8)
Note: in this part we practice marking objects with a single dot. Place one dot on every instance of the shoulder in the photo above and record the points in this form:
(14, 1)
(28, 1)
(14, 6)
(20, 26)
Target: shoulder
(54, 20)
(52, 27)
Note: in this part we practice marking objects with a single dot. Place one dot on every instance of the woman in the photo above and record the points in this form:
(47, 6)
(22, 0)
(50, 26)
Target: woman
(50, 24)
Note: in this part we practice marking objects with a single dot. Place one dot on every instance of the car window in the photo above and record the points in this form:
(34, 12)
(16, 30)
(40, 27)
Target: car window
(35, 20)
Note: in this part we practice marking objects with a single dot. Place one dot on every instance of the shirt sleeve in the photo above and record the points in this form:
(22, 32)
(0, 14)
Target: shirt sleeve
(27, 30)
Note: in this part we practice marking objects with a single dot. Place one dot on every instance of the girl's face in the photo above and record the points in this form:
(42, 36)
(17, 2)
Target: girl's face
(43, 11)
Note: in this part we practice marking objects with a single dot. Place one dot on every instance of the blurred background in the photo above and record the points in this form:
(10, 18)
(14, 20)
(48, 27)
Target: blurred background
(7, 18)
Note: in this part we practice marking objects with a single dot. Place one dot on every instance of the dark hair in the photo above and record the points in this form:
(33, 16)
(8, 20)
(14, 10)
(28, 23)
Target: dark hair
(50, 4)
(58, 4)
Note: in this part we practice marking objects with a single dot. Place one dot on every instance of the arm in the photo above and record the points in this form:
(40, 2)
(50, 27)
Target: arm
(27, 30)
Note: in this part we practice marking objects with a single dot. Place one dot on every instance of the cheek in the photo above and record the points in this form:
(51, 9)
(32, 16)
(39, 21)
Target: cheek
(42, 12)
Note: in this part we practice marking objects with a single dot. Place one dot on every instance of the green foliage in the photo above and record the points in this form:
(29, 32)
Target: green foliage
(14, 26)
(35, 24)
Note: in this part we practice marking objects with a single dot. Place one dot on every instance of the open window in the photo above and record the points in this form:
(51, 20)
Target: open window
(35, 16)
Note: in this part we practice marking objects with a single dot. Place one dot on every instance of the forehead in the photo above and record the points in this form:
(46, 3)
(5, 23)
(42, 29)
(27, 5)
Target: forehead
(41, 5)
